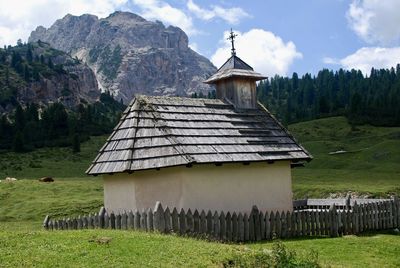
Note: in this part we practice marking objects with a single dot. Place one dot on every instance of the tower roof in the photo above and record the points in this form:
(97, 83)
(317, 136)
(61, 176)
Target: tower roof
(234, 67)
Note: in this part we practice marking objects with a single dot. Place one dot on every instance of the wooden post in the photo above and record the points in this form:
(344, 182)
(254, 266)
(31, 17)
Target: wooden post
(267, 226)
(189, 222)
(175, 221)
(210, 225)
(167, 220)
(256, 223)
(124, 221)
(196, 222)
(261, 219)
(288, 224)
(182, 222)
(283, 225)
(246, 227)
(240, 227)
(390, 214)
(106, 221)
(143, 221)
(130, 220)
(79, 223)
(203, 223)
(228, 221)
(396, 211)
(333, 221)
(222, 224)
(272, 226)
(150, 220)
(216, 225)
(101, 217)
(235, 228)
(278, 226)
(158, 218)
(136, 220)
(118, 221)
(112, 220)
(46, 222)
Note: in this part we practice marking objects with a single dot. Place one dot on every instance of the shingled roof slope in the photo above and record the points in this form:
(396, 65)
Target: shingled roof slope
(157, 132)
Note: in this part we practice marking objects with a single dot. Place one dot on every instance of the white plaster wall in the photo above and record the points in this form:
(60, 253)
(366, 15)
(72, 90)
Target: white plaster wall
(231, 187)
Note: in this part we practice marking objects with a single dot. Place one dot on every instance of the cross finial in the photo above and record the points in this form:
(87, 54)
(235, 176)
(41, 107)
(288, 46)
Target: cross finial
(232, 38)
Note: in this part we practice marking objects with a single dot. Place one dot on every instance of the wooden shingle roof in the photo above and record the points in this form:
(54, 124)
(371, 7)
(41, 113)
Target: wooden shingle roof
(234, 67)
(156, 132)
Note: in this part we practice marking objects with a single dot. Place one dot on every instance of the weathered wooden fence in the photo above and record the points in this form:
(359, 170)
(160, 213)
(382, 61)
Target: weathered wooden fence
(241, 227)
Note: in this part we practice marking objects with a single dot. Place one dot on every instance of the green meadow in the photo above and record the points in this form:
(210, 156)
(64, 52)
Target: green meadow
(368, 166)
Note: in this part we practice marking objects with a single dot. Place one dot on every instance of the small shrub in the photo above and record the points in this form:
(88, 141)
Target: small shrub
(278, 257)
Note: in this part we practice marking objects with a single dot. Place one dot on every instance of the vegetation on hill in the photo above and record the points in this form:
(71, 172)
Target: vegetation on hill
(34, 127)
(373, 99)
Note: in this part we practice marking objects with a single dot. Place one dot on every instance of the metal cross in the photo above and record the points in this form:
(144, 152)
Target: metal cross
(232, 38)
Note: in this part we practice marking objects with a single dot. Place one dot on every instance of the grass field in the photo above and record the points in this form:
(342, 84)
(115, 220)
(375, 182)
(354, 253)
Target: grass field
(371, 167)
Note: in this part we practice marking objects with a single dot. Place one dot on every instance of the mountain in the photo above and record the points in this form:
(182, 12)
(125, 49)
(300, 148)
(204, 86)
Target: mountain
(131, 55)
(37, 73)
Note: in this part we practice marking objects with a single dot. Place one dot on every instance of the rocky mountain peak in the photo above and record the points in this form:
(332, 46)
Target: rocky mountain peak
(130, 54)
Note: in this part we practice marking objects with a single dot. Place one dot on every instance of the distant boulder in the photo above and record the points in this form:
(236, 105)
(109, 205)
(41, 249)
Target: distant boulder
(10, 179)
(46, 179)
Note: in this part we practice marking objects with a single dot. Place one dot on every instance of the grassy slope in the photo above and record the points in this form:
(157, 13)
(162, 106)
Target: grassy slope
(371, 167)
(24, 203)
(137, 249)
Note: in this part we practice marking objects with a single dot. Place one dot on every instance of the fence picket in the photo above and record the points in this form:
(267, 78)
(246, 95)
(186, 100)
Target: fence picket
(222, 224)
(235, 231)
(189, 222)
(229, 229)
(167, 220)
(150, 224)
(246, 227)
(272, 225)
(196, 222)
(210, 225)
(216, 225)
(203, 222)
(182, 222)
(143, 221)
(261, 218)
(124, 220)
(136, 221)
(256, 226)
(240, 227)
(175, 221)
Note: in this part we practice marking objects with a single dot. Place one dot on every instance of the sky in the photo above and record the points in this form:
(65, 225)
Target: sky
(274, 37)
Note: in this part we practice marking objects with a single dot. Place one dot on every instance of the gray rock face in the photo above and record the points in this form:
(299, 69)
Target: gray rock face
(131, 55)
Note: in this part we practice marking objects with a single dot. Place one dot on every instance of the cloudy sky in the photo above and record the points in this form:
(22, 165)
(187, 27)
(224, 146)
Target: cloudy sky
(275, 37)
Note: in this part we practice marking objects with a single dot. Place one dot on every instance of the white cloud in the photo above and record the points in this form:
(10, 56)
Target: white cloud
(367, 57)
(158, 10)
(264, 51)
(375, 21)
(194, 47)
(19, 17)
(329, 60)
(230, 15)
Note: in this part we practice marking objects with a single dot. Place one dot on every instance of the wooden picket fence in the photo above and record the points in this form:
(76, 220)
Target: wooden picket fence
(241, 227)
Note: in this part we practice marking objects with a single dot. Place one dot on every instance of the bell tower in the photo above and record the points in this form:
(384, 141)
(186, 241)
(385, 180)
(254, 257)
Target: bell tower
(235, 81)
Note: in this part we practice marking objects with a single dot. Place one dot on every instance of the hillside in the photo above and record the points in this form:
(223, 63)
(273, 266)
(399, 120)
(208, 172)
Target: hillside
(131, 55)
(370, 167)
(366, 161)
(37, 73)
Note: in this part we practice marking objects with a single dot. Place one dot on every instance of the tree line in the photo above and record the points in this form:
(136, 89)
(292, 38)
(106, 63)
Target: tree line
(372, 99)
(33, 127)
